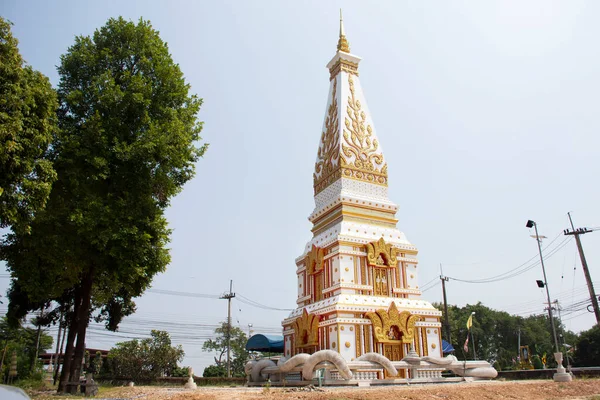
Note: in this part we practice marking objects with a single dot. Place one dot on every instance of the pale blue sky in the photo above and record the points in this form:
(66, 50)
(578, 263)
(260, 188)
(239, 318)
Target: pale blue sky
(487, 113)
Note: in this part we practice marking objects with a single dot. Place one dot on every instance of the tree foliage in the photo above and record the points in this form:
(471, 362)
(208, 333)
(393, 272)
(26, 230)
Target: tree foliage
(146, 359)
(127, 146)
(496, 334)
(27, 125)
(23, 342)
(215, 371)
(587, 352)
(238, 354)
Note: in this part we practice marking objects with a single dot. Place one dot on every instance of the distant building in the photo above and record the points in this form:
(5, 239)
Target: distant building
(46, 357)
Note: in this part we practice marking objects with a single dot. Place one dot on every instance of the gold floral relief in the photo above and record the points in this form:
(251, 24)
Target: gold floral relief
(314, 260)
(390, 326)
(360, 156)
(329, 153)
(382, 254)
(306, 329)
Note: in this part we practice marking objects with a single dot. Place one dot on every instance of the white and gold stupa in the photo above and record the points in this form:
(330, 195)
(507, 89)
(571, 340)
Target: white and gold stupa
(358, 288)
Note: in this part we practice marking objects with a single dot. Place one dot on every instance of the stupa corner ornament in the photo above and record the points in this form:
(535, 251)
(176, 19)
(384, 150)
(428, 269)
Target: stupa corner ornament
(307, 330)
(392, 326)
(382, 254)
(314, 260)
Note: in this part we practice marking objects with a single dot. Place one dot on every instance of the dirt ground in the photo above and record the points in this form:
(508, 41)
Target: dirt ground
(580, 389)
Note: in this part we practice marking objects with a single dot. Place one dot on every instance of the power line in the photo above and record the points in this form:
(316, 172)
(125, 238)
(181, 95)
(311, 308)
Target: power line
(560, 294)
(238, 296)
(184, 294)
(253, 303)
(518, 270)
(431, 287)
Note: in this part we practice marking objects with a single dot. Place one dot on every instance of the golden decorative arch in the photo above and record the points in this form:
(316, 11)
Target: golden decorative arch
(306, 329)
(382, 254)
(385, 323)
(314, 260)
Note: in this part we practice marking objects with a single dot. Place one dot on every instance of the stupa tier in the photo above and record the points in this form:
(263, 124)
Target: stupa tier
(358, 288)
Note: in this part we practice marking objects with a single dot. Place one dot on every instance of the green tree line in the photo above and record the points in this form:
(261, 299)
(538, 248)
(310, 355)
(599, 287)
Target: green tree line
(496, 337)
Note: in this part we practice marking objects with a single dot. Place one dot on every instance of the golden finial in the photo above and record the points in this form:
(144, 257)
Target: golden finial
(343, 43)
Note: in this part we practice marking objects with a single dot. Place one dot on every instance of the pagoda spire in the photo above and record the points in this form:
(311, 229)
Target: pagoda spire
(349, 151)
(343, 44)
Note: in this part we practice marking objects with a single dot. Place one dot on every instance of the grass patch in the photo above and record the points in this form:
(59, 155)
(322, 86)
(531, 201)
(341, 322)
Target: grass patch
(49, 393)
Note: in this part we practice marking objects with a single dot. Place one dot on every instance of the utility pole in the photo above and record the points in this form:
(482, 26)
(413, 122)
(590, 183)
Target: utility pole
(444, 279)
(229, 296)
(586, 271)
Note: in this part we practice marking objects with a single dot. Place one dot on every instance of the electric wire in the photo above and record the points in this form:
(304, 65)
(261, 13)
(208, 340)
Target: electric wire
(425, 285)
(431, 287)
(253, 303)
(518, 270)
(184, 294)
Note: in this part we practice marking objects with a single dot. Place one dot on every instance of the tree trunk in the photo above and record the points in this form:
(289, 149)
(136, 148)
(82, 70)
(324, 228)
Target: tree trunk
(68, 356)
(83, 321)
(37, 346)
(3, 356)
(60, 342)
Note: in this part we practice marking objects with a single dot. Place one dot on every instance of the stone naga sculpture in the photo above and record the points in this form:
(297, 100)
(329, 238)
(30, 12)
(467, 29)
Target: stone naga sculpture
(381, 360)
(326, 355)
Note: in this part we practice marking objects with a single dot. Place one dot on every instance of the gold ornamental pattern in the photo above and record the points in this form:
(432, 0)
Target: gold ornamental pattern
(343, 44)
(328, 154)
(306, 328)
(382, 254)
(360, 157)
(391, 326)
(314, 260)
(343, 65)
(327, 165)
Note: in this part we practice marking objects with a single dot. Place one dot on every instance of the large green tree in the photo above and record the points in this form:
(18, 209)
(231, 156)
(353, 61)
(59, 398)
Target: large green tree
(587, 352)
(238, 354)
(127, 146)
(146, 359)
(27, 125)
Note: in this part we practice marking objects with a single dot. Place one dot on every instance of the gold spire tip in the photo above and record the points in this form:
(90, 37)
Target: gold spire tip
(343, 44)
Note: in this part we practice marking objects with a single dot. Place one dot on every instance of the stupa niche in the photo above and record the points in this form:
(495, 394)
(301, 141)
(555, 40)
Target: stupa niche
(358, 289)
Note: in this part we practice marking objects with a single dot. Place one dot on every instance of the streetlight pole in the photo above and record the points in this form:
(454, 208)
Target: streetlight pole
(560, 376)
(537, 238)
